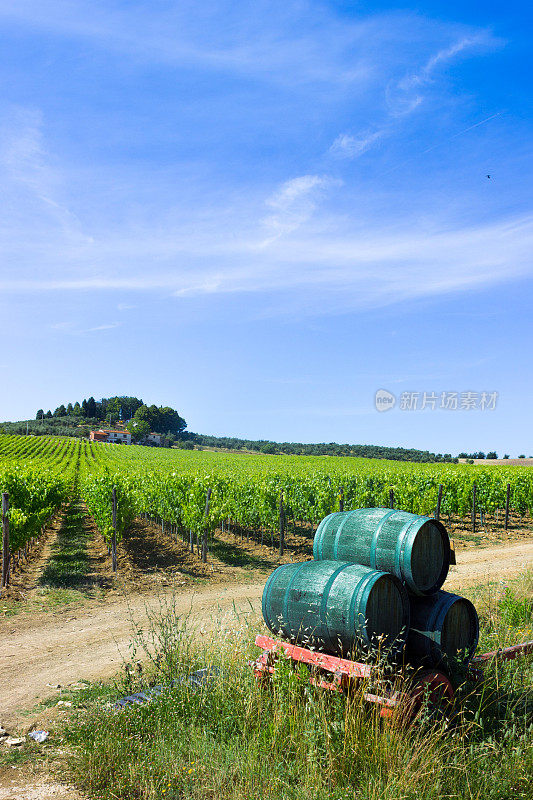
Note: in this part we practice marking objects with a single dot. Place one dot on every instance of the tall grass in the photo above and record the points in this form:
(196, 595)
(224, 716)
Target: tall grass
(235, 739)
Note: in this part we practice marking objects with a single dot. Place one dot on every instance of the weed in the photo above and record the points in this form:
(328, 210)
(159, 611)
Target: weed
(235, 739)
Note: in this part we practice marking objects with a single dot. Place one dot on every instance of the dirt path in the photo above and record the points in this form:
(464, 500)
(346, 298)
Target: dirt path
(86, 643)
(484, 564)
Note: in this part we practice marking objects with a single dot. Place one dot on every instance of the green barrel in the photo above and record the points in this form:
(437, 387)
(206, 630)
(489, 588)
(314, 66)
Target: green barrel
(444, 629)
(337, 607)
(416, 549)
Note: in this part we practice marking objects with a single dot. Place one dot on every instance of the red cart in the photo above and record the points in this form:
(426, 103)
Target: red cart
(337, 674)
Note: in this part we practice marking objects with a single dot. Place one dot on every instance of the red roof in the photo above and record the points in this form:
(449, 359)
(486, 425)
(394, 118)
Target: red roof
(106, 431)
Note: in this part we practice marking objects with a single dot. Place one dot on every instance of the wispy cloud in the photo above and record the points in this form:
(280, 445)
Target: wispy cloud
(348, 146)
(221, 36)
(407, 93)
(62, 326)
(348, 271)
(74, 330)
(293, 203)
(106, 326)
(312, 238)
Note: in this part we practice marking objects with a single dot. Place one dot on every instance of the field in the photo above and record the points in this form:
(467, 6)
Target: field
(245, 491)
(197, 532)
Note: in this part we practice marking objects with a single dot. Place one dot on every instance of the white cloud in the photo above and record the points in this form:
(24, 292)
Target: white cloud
(106, 326)
(71, 329)
(406, 94)
(281, 46)
(294, 203)
(62, 326)
(303, 240)
(347, 146)
(323, 261)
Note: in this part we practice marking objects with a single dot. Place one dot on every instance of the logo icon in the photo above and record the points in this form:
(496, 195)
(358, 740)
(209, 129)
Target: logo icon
(384, 400)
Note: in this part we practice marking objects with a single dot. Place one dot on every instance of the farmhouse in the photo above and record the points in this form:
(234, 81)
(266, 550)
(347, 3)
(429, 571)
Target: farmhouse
(122, 436)
(110, 435)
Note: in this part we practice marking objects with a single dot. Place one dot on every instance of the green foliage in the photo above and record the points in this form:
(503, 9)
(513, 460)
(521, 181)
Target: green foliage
(173, 484)
(162, 419)
(97, 490)
(139, 429)
(322, 449)
(516, 611)
(236, 739)
(36, 489)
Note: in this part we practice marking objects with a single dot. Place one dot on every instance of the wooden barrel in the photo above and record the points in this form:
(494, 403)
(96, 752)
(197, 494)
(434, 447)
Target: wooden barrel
(337, 607)
(414, 548)
(444, 629)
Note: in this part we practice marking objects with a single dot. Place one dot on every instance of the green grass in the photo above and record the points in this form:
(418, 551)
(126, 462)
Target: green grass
(237, 740)
(45, 600)
(69, 566)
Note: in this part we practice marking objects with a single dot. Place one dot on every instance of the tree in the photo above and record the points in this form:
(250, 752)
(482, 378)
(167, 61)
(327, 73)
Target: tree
(125, 407)
(146, 414)
(268, 448)
(492, 454)
(77, 409)
(69, 409)
(112, 407)
(48, 414)
(91, 407)
(161, 420)
(170, 421)
(39, 414)
(84, 407)
(139, 429)
(60, 411)
(522, 456)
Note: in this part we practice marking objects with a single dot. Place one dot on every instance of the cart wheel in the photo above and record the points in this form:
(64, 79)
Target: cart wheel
(431, 690)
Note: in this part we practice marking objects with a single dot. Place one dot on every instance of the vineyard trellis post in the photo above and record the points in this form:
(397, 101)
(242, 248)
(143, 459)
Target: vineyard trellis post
(391, 498)
(5, 539)
(341, 498)
(204, 536)
(439, 503)
(507, 503)
(114, 535)
(281, 524)
(473, 508)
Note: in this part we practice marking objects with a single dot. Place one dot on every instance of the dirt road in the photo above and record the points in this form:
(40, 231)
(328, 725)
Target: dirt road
(87, 643)
(480, 565)
(90, 642)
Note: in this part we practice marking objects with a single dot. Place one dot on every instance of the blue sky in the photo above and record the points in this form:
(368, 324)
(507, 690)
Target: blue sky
(260, 213)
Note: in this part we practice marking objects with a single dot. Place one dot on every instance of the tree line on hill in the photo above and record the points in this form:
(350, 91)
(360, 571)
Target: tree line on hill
(108, 409)
(320, 449)
(77, 419)
(481, 455)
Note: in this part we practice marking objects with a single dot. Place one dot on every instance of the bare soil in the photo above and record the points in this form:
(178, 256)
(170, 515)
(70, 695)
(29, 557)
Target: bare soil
(490, 529)
(507, 462)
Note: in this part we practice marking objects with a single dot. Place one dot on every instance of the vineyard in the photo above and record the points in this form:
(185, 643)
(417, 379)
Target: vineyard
(193, 494)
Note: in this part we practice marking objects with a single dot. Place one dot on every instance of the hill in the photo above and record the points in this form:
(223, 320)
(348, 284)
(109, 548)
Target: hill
(79, 426)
